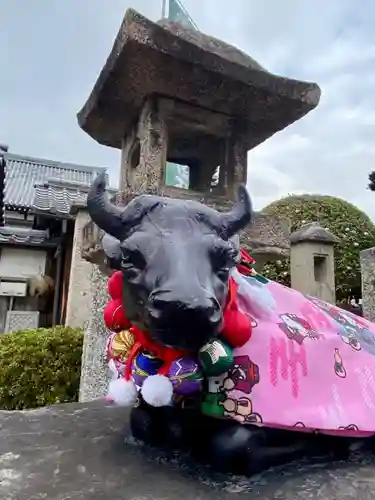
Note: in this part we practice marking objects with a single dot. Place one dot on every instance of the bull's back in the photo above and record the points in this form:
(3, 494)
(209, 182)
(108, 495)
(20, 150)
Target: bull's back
(308, 365)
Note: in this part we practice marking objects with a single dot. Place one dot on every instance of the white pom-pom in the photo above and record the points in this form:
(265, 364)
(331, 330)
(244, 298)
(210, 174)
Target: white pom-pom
(157, 390)
(122, 392)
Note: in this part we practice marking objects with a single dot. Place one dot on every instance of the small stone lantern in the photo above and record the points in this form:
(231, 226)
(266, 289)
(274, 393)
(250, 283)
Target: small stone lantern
(312, 263)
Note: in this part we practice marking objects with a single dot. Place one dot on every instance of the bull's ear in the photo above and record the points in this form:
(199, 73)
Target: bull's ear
(235, 243)
(112, 251)
(241, 214)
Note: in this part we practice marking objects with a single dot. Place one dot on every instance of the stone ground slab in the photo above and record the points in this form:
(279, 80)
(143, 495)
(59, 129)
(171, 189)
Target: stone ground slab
(84, 451)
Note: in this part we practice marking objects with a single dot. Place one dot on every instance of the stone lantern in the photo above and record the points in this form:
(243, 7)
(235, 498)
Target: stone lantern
(168, 93)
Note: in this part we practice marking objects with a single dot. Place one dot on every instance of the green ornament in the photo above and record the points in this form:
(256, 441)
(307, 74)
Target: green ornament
(215, 358)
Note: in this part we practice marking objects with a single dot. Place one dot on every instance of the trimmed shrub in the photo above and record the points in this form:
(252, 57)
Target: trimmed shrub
(354, 228)
(40, 367)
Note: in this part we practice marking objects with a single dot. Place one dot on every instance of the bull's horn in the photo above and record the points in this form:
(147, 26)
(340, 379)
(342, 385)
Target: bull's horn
(105, 215)
(240, 215)
(115, 220)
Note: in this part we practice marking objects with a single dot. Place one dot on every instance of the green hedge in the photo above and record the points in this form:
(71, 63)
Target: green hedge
(39, 367)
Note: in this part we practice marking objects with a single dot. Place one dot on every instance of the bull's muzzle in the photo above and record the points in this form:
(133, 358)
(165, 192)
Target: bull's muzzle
(183, 323)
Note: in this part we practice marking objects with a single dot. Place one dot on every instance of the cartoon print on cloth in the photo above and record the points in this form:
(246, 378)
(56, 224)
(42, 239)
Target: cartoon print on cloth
(218, 402)
(338, 365)
(254, 296)
(254, 322)
(351, 427)
(351, 330)
(296, 328)
(244, 374)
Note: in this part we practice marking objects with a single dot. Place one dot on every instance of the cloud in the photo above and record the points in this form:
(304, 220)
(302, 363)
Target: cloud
(50, 57)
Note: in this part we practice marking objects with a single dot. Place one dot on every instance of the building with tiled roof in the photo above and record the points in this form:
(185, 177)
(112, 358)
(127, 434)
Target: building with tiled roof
(37, 220)
(44, 185)
(37, 187)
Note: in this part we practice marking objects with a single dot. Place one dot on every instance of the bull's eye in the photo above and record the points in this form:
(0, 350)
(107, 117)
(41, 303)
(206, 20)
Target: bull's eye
(126, 264)
(130, 272)
(133, 259)
(223, 273)
(222, 259)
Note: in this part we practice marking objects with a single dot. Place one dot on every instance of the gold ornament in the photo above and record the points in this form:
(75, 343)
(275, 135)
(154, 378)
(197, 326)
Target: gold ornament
(121, 345)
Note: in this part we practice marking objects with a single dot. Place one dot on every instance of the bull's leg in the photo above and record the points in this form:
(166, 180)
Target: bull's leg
(157, 426)
(143, 425)
(225, 444)
(232, 447)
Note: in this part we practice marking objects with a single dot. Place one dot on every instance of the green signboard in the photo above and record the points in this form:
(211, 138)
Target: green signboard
(178, 13)
(177, 175)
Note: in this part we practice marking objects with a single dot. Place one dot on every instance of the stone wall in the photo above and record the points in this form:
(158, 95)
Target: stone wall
(79, 298)
(94, 376)
(368, 283)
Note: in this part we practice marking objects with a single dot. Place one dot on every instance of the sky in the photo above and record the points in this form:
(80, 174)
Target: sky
(51, 52)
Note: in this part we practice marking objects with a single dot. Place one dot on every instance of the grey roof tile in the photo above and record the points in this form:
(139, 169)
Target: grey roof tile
(46, 186)
(54, 198)
(21, 235)
(23, 173)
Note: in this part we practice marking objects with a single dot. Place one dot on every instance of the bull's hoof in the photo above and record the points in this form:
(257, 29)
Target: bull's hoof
(174, 432)
(158, 426)
(229, 449)
(238, 449)
(234, 448)
(143, 427)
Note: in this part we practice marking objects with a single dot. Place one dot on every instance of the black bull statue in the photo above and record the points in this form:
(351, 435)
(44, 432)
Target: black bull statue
(175, 257)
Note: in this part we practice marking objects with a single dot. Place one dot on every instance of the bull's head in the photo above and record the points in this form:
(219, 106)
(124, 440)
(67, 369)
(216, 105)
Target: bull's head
(175, 256)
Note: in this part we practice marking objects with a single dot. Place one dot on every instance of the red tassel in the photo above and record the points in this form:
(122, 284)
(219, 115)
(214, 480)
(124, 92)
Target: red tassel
(114, 285)
(166, 354)
(247, 263)
(245, 257)
(114, 316)
(237, 326)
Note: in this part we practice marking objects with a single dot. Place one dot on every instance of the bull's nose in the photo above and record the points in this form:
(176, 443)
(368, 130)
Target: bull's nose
(182, 324)
(200, 310)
